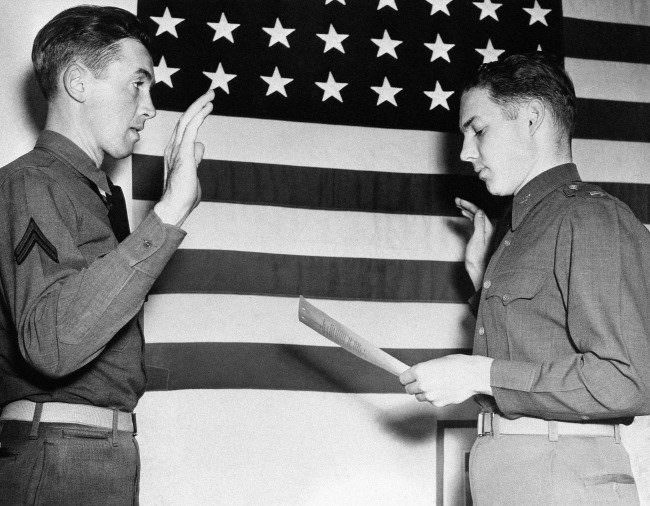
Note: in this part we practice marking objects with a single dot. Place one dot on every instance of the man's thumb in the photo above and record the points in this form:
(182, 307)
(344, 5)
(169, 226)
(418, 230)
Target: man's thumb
(199, 149)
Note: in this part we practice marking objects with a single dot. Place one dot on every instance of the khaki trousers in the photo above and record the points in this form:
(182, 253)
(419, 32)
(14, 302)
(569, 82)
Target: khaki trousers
(530, 469)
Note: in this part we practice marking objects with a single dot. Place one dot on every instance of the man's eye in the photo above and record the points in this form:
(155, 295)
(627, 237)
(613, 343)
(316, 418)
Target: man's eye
(137, 84)
(478, 133)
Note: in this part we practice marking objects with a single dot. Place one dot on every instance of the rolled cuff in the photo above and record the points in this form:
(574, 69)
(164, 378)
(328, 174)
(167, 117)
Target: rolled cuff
(151, 244)
(509, 379)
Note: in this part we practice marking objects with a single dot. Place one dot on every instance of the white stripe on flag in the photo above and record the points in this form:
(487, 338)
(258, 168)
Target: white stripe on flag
(288, 231)
(612, 161)
(229, 318)
(331, 146)
(309, 144)
(628, 12)
(609, 80)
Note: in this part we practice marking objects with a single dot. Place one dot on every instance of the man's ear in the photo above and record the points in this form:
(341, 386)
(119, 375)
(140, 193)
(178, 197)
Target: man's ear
(535, 114)
(75, 81)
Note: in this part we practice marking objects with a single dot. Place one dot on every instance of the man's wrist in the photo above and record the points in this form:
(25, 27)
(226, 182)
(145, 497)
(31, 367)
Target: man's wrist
(169, 214)
(483, 368)
(475, 273)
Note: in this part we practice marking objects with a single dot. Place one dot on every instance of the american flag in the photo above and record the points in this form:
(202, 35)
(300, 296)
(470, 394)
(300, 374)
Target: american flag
(330, 171)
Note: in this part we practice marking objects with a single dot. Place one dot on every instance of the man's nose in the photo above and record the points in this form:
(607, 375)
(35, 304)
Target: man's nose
(468, 152)
(147, 108)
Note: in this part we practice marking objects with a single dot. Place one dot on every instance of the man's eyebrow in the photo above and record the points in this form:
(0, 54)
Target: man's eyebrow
(145, 73)
(467, 123)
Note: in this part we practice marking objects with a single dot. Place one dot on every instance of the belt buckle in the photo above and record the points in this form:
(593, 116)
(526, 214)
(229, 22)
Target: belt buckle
(483, 428)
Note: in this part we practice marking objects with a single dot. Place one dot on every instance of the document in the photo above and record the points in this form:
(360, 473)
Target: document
(338, 333)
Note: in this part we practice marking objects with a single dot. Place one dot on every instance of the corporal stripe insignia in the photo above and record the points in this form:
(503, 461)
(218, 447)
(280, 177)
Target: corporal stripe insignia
(33, 236)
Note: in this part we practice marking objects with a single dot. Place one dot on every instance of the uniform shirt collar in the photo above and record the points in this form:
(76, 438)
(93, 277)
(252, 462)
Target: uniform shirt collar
(540, 186)
(72, 155)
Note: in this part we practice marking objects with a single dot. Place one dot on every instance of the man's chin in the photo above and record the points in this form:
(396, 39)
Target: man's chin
(123, 151)
(494, 189)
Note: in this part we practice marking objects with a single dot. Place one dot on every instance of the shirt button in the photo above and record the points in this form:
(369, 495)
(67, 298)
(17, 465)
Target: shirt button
(487, 284)
(147, 243)
(507, 242)
(506, 298)
(481, 331)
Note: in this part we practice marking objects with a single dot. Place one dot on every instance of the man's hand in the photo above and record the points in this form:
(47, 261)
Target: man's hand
(448, 380)
(182, 156)
(476, 253)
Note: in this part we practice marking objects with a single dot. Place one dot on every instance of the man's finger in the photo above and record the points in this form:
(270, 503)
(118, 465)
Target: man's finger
(467, 205)
(413, 388)
(194, 109)
(407, 377)
(199, 149)
(467, 214)
(192, 129)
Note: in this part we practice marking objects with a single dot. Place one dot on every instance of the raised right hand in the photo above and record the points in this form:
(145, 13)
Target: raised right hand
(182, 156)
(476, 252)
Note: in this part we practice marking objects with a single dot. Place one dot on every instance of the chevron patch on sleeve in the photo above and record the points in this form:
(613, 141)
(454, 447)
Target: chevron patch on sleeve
(34, 236)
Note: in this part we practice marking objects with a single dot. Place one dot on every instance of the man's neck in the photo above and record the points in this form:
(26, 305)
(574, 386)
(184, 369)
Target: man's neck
(63, 122)
(545, 162)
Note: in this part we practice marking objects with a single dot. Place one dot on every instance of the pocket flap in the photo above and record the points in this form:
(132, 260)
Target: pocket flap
(513, 285)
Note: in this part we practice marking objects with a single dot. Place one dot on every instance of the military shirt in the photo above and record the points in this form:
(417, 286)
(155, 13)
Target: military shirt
(564, 305)
(71, 297)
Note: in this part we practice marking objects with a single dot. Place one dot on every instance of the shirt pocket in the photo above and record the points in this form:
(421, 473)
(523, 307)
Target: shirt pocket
(520, 311)
(510, 286)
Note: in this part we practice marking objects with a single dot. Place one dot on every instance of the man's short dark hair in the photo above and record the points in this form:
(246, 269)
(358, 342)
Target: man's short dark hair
(88, 33)
(521, 77)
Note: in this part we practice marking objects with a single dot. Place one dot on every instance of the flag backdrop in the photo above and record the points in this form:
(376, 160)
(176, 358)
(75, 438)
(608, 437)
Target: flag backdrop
(330, 169)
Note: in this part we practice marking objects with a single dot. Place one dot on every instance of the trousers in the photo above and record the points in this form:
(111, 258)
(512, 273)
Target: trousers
(530, 469)
(67, 464)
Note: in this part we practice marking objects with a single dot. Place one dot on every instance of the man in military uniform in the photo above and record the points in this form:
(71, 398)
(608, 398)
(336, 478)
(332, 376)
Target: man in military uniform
(72, 278)
(562, 339)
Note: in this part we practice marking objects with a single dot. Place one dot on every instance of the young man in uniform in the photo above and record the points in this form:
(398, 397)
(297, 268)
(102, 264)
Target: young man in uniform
(73, 279)
(562, 339)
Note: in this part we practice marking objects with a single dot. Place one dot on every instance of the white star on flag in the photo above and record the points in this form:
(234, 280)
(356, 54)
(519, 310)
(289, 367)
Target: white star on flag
(331, 88)
(278, 33)
(386, 92)
(220, 79)
(439, 5)
(439, 49)
(386, 45)
(276, 83)
(163, 73)
(329, 1)
(488, 9)
(386, 3)
(167, 23)
(439, 97)
(489, 53)
(537, 14)
(332, 39)
(223, 29)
